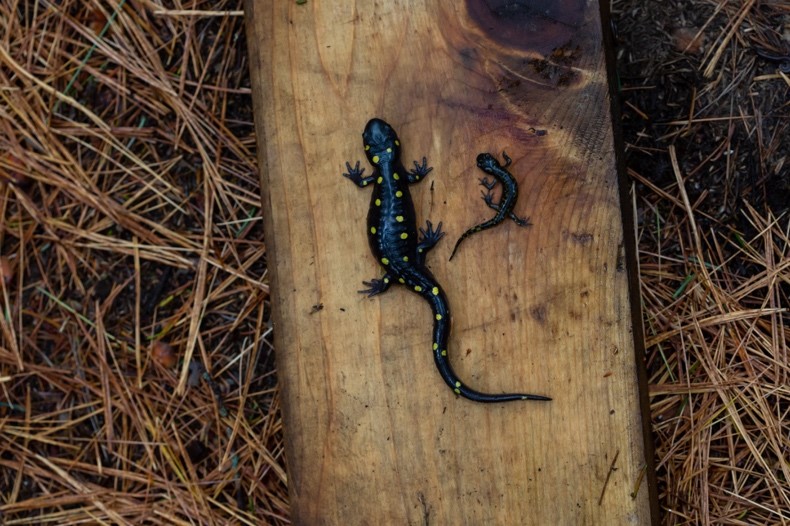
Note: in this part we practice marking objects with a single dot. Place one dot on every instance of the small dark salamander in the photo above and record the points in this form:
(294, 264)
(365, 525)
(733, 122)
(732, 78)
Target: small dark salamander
(392, 234)
(487, 163)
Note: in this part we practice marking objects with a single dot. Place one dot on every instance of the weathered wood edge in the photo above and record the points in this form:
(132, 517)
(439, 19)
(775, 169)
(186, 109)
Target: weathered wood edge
(632, 258)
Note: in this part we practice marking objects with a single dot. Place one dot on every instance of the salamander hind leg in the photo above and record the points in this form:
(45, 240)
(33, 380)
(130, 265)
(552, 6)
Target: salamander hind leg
(429, 239)
(489, 199)
(520, 221)
(376, 286)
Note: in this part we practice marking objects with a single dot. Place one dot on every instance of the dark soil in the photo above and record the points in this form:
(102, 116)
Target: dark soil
(735, 150)
(729, 129)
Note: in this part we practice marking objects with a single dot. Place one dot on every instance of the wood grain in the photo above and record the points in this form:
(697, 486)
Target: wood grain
(373, 435)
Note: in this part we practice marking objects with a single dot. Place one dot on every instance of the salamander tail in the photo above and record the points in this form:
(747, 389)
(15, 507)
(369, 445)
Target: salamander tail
(441, 332)
(458, 243)
(466, 234)
(495, 398)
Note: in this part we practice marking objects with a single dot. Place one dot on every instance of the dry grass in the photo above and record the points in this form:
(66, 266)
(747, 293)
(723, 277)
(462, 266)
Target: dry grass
(131, 261)
(719, 362)
(707, 123)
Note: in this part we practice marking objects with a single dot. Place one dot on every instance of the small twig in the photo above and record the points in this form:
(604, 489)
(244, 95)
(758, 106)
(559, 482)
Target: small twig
(608, 476)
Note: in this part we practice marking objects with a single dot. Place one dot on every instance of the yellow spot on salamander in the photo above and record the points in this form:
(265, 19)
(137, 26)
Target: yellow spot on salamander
(386, 280)
(404, 235)
(416, 177)
(373, 230)
(399, 219)
(435, 346)
(389, 150)
(457, 391)
(378, 202)
(379, 180)
(385, 261)
(397, 142)
(406, 259)
(401, 280)
(398, 194)
(364, 183)
(435, 291)
(367, 147)
(444, 352)
(458, 384)
(375, 159)
(417, 288)
(438, 316)
(395, 176)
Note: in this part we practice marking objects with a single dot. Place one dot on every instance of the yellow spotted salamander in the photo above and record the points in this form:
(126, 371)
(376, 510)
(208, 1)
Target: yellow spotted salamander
(487, 163)
(392, 234)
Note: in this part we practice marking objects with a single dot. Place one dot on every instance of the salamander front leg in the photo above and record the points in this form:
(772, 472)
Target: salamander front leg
(376, 286)
(488, 184)
(355, 174)
(420, 171)
(429, 239)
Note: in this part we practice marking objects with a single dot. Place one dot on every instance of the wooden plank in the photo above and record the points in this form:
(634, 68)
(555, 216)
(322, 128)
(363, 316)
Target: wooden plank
(373, 435)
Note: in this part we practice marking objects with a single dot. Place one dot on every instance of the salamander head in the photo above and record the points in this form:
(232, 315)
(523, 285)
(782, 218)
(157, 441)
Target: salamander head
(380, 141)
(487, 162)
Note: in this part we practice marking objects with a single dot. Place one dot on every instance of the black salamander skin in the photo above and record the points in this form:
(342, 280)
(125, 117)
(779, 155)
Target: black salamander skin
(489, 164)
(392, 234)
